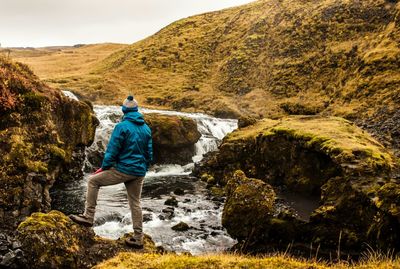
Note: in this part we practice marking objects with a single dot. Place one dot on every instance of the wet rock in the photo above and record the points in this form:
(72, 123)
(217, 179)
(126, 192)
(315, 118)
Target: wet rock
(179, 191)
(180, 227)
(169, 212)
(171, 201)
(147, 217)
(53, 241)
(174, 138)
(114, 216)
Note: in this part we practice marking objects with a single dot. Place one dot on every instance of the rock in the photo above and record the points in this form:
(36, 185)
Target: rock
(249, 206)
(180, 227)
(16, 244)
(329, 158)
(174, 138)
(179, 191)
(53, 241)
(245, 121)
(43, 136)
(8, 259)
(169, 212)
(113, 216)
(171, 201)
(147, 217)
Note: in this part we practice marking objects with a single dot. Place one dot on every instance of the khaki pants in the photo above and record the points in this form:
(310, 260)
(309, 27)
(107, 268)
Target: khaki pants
(133, 186)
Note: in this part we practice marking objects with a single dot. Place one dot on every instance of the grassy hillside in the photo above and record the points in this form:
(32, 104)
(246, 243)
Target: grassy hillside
(266, 58)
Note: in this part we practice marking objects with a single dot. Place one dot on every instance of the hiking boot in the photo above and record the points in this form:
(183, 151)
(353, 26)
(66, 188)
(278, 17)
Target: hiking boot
(82, 220)
(134, 242)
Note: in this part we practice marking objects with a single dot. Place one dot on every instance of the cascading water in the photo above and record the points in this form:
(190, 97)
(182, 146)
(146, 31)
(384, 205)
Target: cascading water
(195, 207)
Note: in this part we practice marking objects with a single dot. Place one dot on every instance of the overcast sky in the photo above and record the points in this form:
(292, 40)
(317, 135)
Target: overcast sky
(36, 23)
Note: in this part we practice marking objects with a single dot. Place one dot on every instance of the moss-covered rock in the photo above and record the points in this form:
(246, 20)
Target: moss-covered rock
(174, 138)
(43, 135)
(249, 206)
(52, 240)
(327, 158)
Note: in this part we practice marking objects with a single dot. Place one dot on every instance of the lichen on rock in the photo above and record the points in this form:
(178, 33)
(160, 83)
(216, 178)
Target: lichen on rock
(52, 240)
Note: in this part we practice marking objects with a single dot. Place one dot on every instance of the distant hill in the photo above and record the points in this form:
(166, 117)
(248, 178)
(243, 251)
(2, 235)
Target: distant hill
(266, 58)
(59, 64)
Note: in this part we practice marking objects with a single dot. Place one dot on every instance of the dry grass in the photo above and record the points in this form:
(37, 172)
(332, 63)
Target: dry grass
(220, 261)
(58, 65)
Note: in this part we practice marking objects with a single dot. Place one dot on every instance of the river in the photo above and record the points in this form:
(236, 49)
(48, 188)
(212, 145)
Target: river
(195, 206)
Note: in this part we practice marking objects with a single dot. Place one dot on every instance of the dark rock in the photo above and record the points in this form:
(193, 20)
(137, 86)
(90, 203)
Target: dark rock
(181, 227)
(171, 201)
(147, 217)
(169, 212)
(179, 191)
(8, 259)
(114, 216)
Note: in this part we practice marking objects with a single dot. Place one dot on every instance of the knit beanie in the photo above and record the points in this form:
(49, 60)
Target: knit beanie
(130, 104)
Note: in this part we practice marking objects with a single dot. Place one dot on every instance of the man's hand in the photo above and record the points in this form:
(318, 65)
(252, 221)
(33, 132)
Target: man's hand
(98, 171)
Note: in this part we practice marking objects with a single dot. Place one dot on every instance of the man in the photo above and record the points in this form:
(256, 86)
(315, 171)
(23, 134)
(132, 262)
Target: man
(127, 159)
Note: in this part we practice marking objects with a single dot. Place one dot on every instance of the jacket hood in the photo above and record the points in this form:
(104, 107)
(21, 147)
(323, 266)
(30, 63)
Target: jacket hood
(135, 117)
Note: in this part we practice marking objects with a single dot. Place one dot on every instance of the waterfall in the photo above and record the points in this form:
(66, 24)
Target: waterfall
(70, 95)
(212, 131)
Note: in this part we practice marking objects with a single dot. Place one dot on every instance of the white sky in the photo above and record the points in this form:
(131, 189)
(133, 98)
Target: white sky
(37, 23)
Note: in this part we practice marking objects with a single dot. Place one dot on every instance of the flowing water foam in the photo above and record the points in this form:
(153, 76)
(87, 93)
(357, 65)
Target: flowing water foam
(194, 207)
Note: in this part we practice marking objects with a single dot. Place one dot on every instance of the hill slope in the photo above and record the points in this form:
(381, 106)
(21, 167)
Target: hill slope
(266, 58)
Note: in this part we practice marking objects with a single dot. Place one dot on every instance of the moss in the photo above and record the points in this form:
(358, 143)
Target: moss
(52, 240)
(336, 137)
(57, 152)
(248, 208)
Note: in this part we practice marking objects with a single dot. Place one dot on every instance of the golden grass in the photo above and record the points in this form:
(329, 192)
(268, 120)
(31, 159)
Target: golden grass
(221, 261)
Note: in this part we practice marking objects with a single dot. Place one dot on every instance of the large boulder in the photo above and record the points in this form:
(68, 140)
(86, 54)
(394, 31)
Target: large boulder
(52, 240)
(249, 206)
(42, 139)
(328, 159)
(174, 138)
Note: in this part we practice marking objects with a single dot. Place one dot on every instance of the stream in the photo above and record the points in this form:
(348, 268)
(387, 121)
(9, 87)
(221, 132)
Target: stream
(195, 206)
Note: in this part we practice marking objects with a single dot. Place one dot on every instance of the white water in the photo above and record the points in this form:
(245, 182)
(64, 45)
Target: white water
(202, 214)
(212, 129)
(70, 95)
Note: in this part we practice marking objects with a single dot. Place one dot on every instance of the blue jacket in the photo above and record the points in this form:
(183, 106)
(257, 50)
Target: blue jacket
(130, 149)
